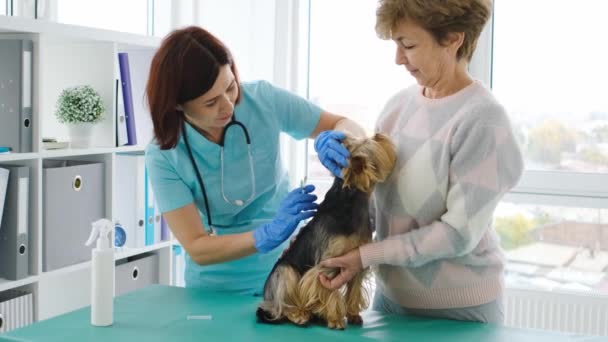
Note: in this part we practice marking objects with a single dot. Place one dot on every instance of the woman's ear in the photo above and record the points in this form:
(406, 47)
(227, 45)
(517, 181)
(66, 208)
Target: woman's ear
(454, 40)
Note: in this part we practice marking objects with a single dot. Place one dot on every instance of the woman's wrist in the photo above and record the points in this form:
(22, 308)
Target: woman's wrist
(371, 254)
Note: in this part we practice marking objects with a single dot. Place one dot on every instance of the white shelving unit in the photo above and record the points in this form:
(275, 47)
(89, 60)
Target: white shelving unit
(64, 56)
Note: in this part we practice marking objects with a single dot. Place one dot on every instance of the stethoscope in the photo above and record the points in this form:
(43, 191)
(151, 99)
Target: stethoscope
(237, 202)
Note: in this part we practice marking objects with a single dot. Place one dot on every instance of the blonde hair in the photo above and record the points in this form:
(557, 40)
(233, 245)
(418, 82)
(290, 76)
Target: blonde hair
(438, 17)
(371, 161)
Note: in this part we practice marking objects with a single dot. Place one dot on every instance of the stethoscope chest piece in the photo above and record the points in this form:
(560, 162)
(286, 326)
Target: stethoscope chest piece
(237, 202)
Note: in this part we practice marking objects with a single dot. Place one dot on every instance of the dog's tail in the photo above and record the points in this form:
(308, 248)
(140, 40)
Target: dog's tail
(264, 315)
(280, 295)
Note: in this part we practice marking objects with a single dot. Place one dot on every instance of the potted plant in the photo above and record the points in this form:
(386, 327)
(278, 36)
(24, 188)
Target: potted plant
(79, 108)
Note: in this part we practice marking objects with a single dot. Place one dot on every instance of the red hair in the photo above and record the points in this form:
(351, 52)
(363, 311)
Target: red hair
(184, 67)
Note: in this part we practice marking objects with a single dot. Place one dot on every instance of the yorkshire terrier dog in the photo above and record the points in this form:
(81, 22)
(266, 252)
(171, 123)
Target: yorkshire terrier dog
(293, 291)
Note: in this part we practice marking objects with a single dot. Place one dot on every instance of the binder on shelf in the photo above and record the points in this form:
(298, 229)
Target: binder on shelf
(127, 97)
(122, 137)
(16, 94)
(153, 216)
(178, 266)
(129, 200)
(150, 206)
(14, 230)
(164, 229)
(139, 69)
(73, 197)
(157, 224)
(3, 185)
(16, 310)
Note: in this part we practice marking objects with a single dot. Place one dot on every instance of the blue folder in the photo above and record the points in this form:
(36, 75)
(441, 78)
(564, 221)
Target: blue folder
(127, 95)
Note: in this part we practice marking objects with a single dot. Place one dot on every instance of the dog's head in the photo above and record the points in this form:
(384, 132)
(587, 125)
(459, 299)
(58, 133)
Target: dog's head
(371, 161)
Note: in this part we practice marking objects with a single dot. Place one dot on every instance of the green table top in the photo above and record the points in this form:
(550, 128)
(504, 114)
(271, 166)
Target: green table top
(158, 313)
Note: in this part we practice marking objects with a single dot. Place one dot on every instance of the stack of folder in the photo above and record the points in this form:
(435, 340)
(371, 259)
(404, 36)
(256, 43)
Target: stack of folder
(16, 95)
(14, 227)
(135, 207)
(3, 185)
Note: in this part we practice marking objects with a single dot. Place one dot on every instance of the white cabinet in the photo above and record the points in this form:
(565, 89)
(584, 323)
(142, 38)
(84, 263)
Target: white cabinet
(66, 56)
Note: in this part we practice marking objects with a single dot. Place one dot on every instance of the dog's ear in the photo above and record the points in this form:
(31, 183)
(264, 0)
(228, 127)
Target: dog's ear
(359, 174)
(357, 164)
(382, 139)
(384, 156)
(371, 161)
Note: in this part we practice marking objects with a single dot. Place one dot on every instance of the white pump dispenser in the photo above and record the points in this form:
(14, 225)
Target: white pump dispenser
(102, 273)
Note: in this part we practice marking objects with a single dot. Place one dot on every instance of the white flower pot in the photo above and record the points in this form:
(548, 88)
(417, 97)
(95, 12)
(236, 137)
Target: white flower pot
(81, 134)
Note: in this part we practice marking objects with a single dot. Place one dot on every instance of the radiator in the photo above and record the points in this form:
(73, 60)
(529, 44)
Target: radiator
(559, 311)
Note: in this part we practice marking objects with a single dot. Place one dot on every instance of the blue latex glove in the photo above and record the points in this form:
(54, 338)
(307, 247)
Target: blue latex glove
(297, 206)
(332, 154)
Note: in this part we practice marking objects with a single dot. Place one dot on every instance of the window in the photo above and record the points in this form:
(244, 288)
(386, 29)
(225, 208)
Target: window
(19, 8)
(249, 34)
(126, 16)
(137, 16)
(551, 247)
(548, 71)
(162, 17)
(352, 72)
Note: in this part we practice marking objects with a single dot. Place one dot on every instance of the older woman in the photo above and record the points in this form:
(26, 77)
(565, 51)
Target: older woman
(435, 252)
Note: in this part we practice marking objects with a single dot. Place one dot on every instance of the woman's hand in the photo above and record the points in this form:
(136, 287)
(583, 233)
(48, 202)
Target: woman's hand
(349, 265)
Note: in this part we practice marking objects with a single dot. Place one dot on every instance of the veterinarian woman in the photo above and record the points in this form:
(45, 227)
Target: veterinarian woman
(435, 251)
(215, 165)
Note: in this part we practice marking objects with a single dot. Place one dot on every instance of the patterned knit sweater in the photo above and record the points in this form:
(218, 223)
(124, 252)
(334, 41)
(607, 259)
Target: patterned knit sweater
(434, 246)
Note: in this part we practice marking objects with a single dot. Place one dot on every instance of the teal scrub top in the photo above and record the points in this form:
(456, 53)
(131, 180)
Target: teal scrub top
(266, 111)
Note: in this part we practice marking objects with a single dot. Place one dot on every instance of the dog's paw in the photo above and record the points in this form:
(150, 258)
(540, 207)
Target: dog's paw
(336, 324)
(355, 319)
(299, 317)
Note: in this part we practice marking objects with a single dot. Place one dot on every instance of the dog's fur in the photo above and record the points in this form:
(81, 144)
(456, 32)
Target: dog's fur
(293, 291)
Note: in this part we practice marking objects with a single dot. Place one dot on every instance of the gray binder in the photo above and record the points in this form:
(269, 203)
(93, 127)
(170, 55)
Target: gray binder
(73, 197)
(16, 94)
(3, 184)
(14, 249)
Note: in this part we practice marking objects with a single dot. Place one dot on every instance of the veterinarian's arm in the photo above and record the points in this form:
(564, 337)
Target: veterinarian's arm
(186, 225)
(204, 249)
(175, 200)
(486, 163)
(329, 121)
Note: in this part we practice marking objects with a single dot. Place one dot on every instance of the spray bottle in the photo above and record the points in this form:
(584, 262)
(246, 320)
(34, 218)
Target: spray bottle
(102, 273)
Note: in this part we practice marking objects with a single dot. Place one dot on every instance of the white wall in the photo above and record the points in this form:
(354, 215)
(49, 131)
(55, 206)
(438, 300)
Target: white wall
(247, 27)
